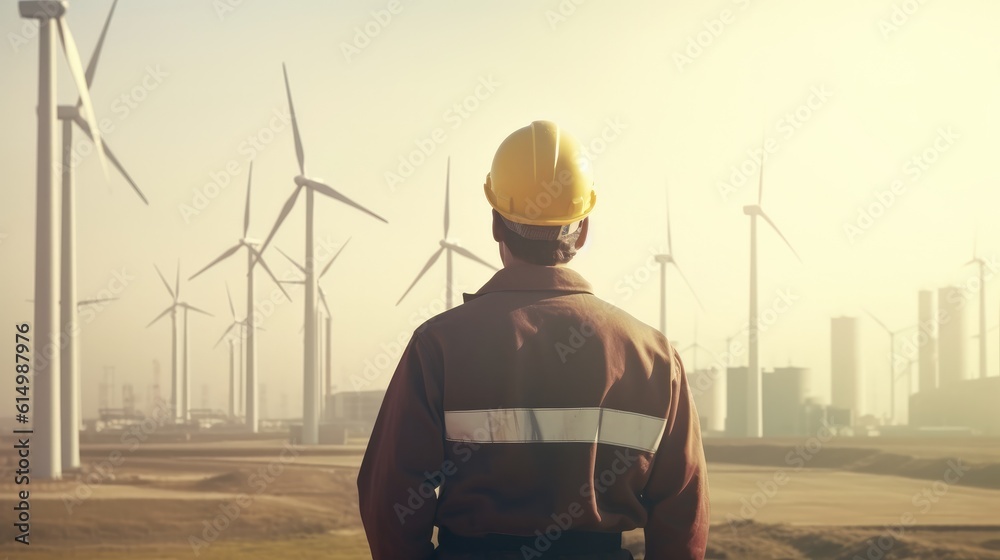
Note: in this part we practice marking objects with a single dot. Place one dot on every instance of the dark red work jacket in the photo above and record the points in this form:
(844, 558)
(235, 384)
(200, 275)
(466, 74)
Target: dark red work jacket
(537, 408)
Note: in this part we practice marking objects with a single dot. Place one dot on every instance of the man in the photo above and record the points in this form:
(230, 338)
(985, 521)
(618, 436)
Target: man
(535, 420)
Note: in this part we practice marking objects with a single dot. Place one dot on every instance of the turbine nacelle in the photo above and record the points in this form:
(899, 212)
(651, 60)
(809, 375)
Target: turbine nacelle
(42, 9)
(664, 259)
(752, 210)
(448, 244)
(301, 181)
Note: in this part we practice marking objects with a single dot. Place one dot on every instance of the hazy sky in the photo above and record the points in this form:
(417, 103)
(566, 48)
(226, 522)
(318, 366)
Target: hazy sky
(848, 94)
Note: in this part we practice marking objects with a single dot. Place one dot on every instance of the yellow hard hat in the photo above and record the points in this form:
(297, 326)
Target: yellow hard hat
(541, 177)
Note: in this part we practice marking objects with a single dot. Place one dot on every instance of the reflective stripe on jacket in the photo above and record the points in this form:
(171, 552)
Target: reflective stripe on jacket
(536, 407)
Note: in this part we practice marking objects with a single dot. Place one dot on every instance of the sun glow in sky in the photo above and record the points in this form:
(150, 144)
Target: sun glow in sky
(879, 119)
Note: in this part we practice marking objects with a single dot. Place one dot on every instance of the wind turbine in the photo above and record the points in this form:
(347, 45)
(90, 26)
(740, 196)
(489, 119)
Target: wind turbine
(754, 419)
(48, 421)
(976, 260)
(180, 388)
(447, 246)
(327, 361)
(310, 411)
(694, 347)
(253, 257)
(666, 259)
(892, 362)
(69, 361)
(241, 326)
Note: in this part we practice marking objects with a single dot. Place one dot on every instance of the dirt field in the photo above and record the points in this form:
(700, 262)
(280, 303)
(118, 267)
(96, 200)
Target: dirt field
(847, 500)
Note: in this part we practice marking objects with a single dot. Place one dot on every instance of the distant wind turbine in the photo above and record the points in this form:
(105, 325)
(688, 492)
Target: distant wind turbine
(310, 382)
(447, 246)
(666, 259)
(234, 374)
(892, 362)
(180, 384)
(976, 260)
(253, 257)
(326, 358)
(755, 420)
(48, 423)
(695, 346)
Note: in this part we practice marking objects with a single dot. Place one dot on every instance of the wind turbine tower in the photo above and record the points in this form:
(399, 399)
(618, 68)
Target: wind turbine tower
(754, 403)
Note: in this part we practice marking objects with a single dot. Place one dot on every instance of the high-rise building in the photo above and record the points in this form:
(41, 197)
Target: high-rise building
(785, 392)
(927, 341)
(845, 364)
(951, 335)
(737, 385)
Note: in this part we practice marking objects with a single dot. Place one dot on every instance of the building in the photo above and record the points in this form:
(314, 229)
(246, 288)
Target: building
(736, 401)
(708, 387)
(785, 393)
(969, 403)
(845, 364)
(927, 340)
(951, 336)
(356, 409)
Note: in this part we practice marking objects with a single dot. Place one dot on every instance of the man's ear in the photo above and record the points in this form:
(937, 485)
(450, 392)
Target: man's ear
(584, 229)
(498, 227)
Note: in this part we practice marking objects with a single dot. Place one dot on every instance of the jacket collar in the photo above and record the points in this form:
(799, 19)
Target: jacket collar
(534, 278)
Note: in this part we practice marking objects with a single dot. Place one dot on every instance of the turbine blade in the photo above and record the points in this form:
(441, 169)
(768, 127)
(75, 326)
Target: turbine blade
(92, 65)
(291, 260)
(880, 323)
(267, 269)
(95, 301)
(760, 180)
(76, 68)
(330, 192)
(228, 253)
(781, 235)
(177, 279)
(225, 334)
(197, 310)
(246, 211)
(670, 242)
(229, 296)
(165, 283)
(85, 128)
(468, 254)
(447, 196)
(322, 299)
(680, 273)
(339, 251)
(160, 316)
(281, 218)
(299, 155)
(297, 282)
(430, 263)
